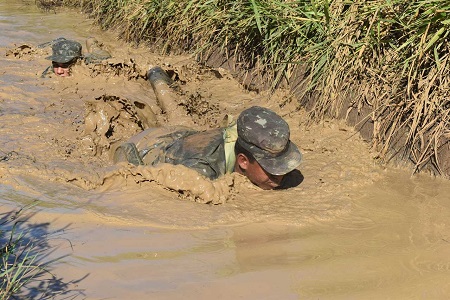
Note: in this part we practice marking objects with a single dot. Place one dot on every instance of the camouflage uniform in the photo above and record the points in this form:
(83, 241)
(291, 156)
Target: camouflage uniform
(63, 52)
(266, 136)
(95, 53)
(203, 151)
(258, 130)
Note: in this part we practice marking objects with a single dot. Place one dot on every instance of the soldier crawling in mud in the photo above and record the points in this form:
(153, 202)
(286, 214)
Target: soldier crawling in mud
(65, 53)
(257, 146)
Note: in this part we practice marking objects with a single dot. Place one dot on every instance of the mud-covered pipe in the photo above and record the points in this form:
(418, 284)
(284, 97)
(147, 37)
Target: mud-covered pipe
(161, 83)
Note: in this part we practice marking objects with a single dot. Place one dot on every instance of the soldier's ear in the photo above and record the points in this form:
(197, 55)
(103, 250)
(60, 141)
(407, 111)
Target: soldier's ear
(242, 161)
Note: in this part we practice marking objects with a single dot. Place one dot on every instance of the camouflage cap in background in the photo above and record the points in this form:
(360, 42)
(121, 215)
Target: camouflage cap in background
(267, 137)
(65, 51)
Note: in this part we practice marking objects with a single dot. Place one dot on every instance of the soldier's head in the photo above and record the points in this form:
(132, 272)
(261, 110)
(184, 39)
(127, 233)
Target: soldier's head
(264, 151)
(64, 54)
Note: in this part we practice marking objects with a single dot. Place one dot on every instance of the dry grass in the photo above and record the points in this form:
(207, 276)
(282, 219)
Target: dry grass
(392, 57)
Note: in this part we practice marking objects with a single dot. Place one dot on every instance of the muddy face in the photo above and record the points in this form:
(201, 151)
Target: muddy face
(256, 174)
(62, 69)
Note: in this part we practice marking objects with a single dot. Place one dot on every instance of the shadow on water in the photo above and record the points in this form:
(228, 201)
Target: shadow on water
(28, 259)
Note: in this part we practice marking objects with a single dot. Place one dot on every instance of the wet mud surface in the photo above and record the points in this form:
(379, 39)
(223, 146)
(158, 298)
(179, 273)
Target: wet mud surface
(352, 229)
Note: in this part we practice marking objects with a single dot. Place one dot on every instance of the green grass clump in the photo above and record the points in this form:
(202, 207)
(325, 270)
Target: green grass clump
(25, 268)
(386, 60)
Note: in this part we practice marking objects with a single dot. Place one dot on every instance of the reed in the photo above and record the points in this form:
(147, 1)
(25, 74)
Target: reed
(392, 56)
(387, 59)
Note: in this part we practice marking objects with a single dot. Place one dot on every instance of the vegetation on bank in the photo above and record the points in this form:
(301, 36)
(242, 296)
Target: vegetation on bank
(386, 60)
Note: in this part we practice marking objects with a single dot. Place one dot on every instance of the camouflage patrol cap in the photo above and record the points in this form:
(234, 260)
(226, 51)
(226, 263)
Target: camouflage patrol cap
(266, 136)
(65, 51)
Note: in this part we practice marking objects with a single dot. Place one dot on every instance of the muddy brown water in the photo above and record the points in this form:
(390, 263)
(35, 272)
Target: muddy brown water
(352, 229)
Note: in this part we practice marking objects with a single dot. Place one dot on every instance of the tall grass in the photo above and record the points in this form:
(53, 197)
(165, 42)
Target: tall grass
(387, 59)
(392, 56)
(270, 35)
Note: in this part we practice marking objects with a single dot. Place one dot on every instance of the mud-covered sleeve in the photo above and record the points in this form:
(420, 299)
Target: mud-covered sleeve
(202, 166)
